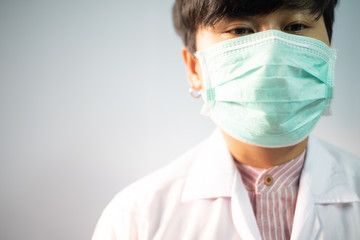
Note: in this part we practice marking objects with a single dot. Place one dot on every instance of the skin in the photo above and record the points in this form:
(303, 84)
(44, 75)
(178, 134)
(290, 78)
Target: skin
(290, 21)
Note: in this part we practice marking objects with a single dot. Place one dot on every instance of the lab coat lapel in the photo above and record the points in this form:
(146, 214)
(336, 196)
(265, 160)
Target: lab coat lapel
(221, 179)
(314, 177)
(211, 175)
(306, 221)
(321, 182)
(242, 211)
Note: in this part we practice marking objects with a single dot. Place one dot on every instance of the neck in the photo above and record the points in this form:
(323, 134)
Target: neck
(262, 157)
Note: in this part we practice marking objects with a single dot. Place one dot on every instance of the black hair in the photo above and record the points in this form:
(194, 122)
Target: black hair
(188, 15)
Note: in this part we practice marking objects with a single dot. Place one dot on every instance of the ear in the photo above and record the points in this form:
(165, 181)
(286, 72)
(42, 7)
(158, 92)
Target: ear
(193, 70)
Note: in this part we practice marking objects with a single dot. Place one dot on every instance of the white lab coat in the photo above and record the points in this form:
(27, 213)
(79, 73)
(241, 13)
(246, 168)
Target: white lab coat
(201, 197)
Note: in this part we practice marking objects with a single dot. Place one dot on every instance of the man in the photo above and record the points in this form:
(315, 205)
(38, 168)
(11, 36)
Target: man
(265, 71)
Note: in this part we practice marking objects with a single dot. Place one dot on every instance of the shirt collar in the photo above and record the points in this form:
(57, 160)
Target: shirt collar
(213, 171)
(285, 175)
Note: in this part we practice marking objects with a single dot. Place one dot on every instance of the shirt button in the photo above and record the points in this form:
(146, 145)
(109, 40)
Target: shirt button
(268, 180)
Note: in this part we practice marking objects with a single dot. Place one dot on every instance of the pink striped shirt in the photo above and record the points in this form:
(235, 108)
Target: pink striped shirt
(273, 193)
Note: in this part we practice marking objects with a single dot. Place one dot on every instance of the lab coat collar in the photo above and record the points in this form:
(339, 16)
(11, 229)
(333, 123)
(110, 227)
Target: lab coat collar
(212, 173)
(325, 176)
(322, 181)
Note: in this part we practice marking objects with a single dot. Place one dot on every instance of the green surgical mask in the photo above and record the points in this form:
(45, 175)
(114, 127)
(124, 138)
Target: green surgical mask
(267, 89)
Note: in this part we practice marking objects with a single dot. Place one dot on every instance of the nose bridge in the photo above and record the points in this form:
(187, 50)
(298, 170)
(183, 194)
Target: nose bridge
(269, 23)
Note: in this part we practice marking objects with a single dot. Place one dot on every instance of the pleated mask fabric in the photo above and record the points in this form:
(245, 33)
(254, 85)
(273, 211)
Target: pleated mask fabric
(269, 88)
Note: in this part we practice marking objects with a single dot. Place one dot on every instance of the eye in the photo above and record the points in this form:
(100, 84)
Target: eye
(241, 31)
(296, 27)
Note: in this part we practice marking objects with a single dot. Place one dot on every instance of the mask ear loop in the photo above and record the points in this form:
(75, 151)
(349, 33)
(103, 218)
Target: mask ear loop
(195, 94)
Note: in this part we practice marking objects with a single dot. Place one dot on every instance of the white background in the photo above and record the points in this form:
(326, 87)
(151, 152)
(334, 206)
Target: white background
(93, 96)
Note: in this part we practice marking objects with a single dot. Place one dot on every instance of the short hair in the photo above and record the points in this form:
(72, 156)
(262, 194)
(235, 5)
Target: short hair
(189, 15)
